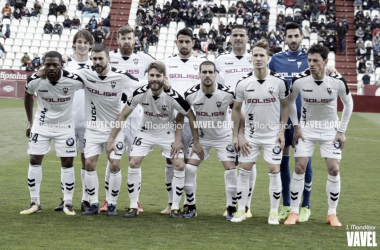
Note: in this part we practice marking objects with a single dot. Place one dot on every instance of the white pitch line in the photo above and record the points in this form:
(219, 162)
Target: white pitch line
(363, 139)
(361, 129)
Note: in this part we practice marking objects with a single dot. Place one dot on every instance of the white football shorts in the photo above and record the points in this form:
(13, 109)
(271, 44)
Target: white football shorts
(272, 151)
(95, 141)
(222, 146)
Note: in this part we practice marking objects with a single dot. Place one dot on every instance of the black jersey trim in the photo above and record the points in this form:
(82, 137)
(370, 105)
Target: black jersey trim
(178, 98)
(150, 55)
(32, 78)
(340, 77)
(192, 90)
(124, 73)
(138, 91)
(272, 73)
(301, 75)
(72, 76)
(225, 89)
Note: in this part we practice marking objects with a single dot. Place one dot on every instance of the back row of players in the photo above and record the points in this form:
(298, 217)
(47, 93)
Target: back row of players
(261, 90)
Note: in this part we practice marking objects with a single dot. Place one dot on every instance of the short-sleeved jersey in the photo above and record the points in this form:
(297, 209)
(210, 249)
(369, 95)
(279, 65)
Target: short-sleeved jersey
(319, 98)
(103, 93)
(262, 103)
(54, 99)
(231, 68)
(289, 64)
(78, 103)
(183, 73)
(211, 107)
(158, 112)
(136, 65)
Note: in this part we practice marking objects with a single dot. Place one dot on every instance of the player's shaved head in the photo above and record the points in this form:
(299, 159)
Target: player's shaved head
(54, 54)
(53, 65)
(100, 48)
(205, 63)
(159, 66)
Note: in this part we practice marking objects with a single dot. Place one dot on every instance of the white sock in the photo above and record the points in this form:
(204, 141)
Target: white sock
(333, 192)
(231, 179)
(92, 184)
(107, 181)
(134, 180)
(178, 186)
(114, 185)
(275, 190)
(296, 189)
(190, 183)
(242, 188)
(34, 182)
(225, 183)
(62, 185)
(252, 181)
(85, 196)
(68, 178)
(168, 181)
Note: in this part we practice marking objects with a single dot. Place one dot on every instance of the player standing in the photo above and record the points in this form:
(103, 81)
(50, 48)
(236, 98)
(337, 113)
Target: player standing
(157, 128)
(53, 120)
(82, 44)
(262, 91)
(104, 86)
(182, 72)
(319, 94)
(231, 67)
(211, 101)
(136, 64)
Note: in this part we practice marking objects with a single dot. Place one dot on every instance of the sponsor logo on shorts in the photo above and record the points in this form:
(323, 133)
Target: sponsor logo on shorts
(336, 153)
(231, 157)
(70, 142)
(173, 66)
(229, 148)
(276, 150)
(70, 151)
(119, 145)
(146, 104)
(198, 103)
(249, 90)
(337, 145)
(276, 159)
(43, 90)
(307, 90)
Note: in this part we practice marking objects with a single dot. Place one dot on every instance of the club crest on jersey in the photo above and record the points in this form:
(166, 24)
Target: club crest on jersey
(218, 104)
(329, 90)
(229, 148)
(136, 61)
(195, 67)
(249, 59)
(113, 84)
(164, 107)
(276, 150)
(119, 145)
(70, 142)
(299, 64)
(65, 90)
(271, 90)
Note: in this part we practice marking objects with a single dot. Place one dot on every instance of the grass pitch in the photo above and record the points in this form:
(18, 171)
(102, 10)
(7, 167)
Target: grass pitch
(358, 203)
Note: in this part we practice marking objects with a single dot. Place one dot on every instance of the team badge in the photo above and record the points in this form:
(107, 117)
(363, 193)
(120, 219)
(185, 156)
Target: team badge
(136, 61)
(271, 90)
(337, 145)
(276, 150)
(164, 107)
(229, 148)
(218, 104)
(65, 90)
(70, 142)
(119, 145)
(329, 90)
(195, 67)
(113, 84)
(249, 59)
(299, 64)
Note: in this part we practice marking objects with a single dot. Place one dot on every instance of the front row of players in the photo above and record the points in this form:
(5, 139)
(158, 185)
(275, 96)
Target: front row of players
(264, 93)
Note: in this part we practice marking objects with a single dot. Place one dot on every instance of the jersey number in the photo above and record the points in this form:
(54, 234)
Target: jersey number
(137, 141)
(33, 137)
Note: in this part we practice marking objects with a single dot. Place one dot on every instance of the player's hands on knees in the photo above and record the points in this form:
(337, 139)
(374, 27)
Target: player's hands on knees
(341, 138)
(176, 149)
(235, 144)
(109, 148)
(244, 145)
(330, 70)
(166, 83)
(41, 73)
(281, 139)
(297, 135)
(198, 149)
(28, 129)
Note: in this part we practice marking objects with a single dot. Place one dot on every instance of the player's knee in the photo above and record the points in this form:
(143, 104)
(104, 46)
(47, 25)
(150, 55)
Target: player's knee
(67, 162)
(114, 167)
(274, 168)
(179, 165)
(333, 171)
(299, 168)
(133, 163)
(35, 160)
(90, 165)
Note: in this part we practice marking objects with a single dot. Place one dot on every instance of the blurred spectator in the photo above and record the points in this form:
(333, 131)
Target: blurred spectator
(29, 66)
(144, 45)
(362, 51)
(298, 4)
(198, 46)
(314, 10)
(211, 45)
(366, 78)
(314, 26)
(20, 5)
(208, 16)
(331, 25)
(249, 5)
(137, 45)
(359, 34)
(61, 9)
(375, 32)
(37, 6)
(48, 28)
(87, 8)
(53, 8)
(289, 3)
(247, 19)
(321, 24)
(265, 5)
(183, 4)
(36, 67)
(7, 11)
(361, 67)
(322, 8)
(219, 40)
(341, 32)
(306, 32)
(368, 34)
(89, 28)
(278, 48)
(7, 33)
(93, 22)
(2, 50)
(153, 39)
(213, 32)
(76, 23)
(164, 22)
(376, 60)
(106, 26)
(345, 23)
(375, 19)
(298, 18)
(34, 15)
(189, 20)
(331, 44)
(198, 22)
(232, 10)
(280, 37)
(374, 5)
(67, 23)
(265, 12)
(229, 47)
(220, 49)
(137, 32)
(202, 35)
(358, 3)
(17, 14)
(322, 33)
(271, 41)
(143, 3)
(25, 59)
(57, 30)
(222, 10)
(264, 23)
(281, 15)
(288, 18)
(80, 5)
(98, 35)
(36, 60)
(158, 9)
(368, 52)
(376, 48)
(26, 15)
(94, 10)
(240, 11)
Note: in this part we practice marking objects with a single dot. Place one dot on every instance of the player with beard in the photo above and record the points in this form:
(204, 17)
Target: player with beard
(104, 86)
(157, 128)
(82, 44)
(289, 63)
(182, 72)
(136, 64)
(231, 67)
(53, 120)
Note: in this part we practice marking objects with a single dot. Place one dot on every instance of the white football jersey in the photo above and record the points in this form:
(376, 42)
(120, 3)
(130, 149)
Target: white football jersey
(319, 99)
(103, 93)
(262, 103)
(183, 73)
(78, 103)
(54, 99)
(231, 68)
(158, 112)
(136, 64)
(213, 108)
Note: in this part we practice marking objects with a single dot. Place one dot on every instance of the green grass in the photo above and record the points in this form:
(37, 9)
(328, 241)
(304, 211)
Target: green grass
(358, 203)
